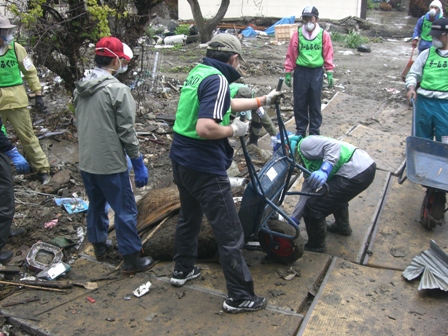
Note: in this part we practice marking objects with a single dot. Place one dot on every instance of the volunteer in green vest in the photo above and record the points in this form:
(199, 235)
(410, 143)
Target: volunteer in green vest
(14, 60)
(423, 26)
(258, 117)
(201, 154)
(347, 170)
(431, 70)
(310, 52)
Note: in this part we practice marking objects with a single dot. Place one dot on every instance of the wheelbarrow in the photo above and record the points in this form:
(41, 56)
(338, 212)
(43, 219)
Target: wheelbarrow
(427, 164)
(263, 196)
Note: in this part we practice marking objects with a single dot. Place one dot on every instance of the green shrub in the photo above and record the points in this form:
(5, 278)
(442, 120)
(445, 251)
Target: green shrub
(338, 37)
(354, 40)
(183, 29)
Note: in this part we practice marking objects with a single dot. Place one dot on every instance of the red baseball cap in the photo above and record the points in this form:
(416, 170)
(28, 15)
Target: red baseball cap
(111, 47)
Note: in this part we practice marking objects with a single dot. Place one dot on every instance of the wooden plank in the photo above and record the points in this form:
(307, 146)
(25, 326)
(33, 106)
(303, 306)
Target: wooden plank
(400, 236)
(359, 300)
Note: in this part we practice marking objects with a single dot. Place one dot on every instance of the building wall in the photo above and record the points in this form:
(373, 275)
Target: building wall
(328, 9)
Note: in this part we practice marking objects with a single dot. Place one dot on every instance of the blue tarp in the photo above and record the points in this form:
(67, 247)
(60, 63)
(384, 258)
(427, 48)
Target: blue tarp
(285, 20)
(249, 32)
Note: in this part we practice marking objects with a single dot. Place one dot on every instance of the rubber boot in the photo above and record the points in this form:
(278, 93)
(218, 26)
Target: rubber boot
(341, 224)
(101, 250)
(5, 256)
(316, 235)
(253, 139)
(133, 263)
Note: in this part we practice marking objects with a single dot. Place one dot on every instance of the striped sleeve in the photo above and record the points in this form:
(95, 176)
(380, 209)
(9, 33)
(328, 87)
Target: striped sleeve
(214, 97)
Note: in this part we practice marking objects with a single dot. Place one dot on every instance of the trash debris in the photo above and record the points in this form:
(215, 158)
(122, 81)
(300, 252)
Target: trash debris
(54, 271)
(150, 317)
(142, 290)
(41, 248)
(72, 205)
(90, 299)
(51, 224)
(289, 274)
(433, 263)
(364, 48)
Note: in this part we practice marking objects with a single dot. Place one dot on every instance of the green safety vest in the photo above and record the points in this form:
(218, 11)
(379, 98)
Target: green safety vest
(310, 51)
(435, 72)
(9, 69)
(347, 151)
(188, 108)
(426, 28)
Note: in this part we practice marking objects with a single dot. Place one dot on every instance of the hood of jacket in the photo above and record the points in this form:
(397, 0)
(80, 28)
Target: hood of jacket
(94, 82)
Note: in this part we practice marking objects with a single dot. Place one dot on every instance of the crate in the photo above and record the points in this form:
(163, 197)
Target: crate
(284, 32)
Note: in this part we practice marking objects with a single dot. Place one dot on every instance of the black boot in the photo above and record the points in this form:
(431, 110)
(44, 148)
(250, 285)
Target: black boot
(316, 235)
(133, 263)
(19, 232)
(5, 256)
(101, 250)
(341, 224)
(253, 139)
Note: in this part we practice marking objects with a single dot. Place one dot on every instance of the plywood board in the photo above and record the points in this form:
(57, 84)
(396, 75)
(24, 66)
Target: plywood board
(195, 308)
(400, 236)
(359, 300)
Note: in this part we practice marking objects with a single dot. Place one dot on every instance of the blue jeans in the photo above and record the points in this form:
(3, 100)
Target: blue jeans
(116, 190)
(431, 116)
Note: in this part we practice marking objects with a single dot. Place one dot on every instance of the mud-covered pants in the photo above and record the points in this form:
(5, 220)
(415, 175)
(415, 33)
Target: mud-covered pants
(6, 199)
(307, 92)
(116, 190)
(21, 122)
(201, 193)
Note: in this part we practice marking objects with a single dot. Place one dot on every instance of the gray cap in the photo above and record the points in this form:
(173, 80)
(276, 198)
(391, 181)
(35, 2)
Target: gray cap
(4, 23)
(230, 42)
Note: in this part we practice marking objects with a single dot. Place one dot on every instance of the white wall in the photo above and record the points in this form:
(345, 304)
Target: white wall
(328, 9)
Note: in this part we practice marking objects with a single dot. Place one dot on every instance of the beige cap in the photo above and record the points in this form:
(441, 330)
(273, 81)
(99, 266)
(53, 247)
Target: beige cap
(4, 23)
(230, 42)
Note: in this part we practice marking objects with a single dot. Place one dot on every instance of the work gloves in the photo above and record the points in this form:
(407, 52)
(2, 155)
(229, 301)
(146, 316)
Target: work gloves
(239, 128)
(272, 97)
(319, 177)
(288, 81)
(414, 43)
(330, 79)
(140, 171)
(21, 165)
(40, 105)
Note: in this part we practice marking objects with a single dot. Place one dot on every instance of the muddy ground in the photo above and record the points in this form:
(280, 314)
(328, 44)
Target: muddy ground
(374, 75)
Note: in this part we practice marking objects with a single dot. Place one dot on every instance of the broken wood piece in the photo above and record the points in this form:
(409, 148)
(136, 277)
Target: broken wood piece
(9, 269)
(20, 302)
(31, 286)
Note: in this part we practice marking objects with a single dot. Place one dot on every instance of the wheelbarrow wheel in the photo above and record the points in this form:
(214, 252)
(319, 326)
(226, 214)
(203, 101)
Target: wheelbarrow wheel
(280, 249)
(432, 212)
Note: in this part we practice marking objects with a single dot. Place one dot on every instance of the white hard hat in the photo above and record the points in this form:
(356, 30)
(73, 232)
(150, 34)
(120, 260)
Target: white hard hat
(4, 23)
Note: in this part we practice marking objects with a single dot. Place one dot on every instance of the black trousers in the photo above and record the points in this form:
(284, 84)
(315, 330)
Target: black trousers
(307, 92)
(342, 190)
(208, 194)
(6, 199)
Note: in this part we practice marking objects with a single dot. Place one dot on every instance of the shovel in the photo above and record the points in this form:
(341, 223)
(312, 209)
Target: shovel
(408, 66)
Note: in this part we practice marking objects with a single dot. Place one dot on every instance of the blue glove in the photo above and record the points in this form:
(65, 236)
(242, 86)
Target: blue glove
(22, 166)
(319, 177)
(141, 172)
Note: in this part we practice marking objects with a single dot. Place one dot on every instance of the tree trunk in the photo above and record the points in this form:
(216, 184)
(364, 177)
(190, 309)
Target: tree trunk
(206, 28)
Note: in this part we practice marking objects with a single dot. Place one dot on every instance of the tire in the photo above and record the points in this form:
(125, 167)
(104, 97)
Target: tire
(432, 212)
(288, 250)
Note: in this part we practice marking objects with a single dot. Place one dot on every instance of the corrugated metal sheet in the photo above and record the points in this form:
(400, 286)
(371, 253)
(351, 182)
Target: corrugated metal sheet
(433, 263)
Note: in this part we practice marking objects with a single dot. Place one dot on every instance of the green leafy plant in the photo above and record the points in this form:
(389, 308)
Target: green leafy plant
(354, 40)
(338, 37)
(182, 29)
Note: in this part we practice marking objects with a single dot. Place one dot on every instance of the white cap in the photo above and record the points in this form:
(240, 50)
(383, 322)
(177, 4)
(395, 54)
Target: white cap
(438, 4)
(127, 51)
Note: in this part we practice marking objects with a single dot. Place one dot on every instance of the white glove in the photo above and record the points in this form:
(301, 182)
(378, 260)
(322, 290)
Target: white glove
(260, 112)
(272, 96)
(239, 128)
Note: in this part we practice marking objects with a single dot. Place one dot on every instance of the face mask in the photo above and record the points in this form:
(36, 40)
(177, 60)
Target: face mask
(7, 40)
(432, 12)
(122, 68)
(310, 26)
(436, 43)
